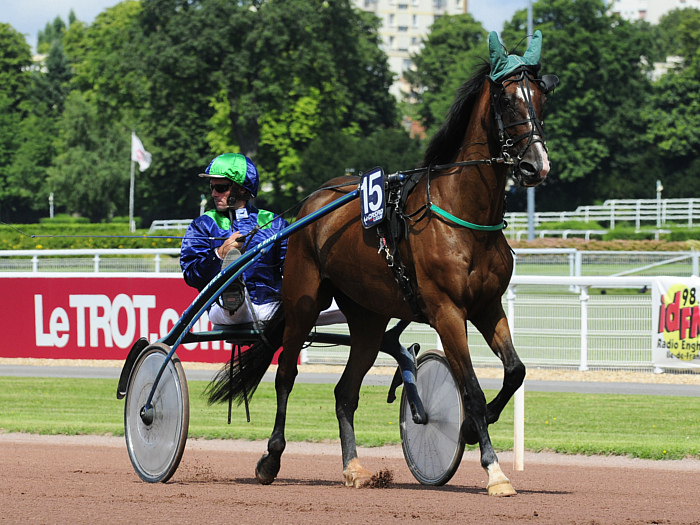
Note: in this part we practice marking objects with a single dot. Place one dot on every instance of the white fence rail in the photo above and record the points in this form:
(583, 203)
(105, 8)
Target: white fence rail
(554, 261)
(553, 326)
(566, 308)
(170, 224)
(640, 212)
(96, 260)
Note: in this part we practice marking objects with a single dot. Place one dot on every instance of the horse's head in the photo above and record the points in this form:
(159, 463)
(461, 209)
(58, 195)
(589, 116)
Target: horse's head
(518, 98)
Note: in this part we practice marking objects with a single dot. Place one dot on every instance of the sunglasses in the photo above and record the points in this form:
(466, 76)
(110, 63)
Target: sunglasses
(220, 188)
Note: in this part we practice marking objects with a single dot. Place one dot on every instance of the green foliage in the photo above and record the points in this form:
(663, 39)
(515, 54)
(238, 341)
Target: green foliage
(63, 218)
(335, 154)
(650, 427)
(302, 87)
(90, 176)
(87, 235)
(597, 107)
(53, 32)
(455, 47)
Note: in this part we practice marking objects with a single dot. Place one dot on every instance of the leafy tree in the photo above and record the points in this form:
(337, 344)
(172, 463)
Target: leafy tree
(596, 111)
(672, 115)
(455, 46)
(335, 154)
(268, 81)
(15, 61)
(53, 32)
(90, 175)
(104, 59)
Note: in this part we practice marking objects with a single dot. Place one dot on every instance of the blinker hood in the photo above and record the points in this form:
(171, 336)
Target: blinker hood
(502, 64)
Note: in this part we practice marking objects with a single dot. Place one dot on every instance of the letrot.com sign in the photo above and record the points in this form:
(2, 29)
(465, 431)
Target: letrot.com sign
(97, 317)
(676, 322)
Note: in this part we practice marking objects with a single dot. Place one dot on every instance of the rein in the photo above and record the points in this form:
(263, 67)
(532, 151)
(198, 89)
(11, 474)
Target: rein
(535, 134)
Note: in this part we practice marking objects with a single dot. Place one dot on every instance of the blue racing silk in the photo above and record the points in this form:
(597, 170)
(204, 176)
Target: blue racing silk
(200, 262)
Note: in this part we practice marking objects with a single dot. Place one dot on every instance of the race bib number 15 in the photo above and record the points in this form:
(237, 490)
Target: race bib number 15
(372, 197)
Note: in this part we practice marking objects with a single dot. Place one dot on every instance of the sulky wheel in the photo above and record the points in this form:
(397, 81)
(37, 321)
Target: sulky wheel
(433, 450)
(156, 439)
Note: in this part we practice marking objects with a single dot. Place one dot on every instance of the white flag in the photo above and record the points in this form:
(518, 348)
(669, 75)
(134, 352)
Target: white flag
(139, 153)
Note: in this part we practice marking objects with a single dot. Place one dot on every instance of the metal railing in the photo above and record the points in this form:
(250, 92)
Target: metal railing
(92, 260)
(657, 212)
(553, 327)
(559, 312)
(170, 224)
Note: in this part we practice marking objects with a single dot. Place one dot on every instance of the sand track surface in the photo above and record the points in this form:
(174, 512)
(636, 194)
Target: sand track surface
(89, 479)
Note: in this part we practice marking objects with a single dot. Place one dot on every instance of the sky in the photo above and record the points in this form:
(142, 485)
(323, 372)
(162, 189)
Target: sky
(30, 16)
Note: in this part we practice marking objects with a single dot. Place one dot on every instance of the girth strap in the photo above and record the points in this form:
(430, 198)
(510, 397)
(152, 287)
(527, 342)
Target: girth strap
(391, 231)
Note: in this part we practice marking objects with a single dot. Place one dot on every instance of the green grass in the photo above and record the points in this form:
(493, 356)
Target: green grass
(655, 427)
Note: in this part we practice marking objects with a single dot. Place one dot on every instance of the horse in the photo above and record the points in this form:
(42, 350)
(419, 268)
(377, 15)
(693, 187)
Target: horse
(457, 261)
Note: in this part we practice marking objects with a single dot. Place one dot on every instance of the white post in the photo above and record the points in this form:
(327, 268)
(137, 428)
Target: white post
(612, 215)
(584, 329)
(519, 428)
(157, 261)
(132, 226)
(659, 189)
(97, 263)
(51, 205)
(202, 204)
(518, 398)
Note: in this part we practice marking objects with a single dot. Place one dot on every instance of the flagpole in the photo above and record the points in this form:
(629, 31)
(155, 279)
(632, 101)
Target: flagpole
(132, 226)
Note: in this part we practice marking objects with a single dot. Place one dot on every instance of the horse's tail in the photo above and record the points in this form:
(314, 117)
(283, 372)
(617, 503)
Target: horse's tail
(238, 380)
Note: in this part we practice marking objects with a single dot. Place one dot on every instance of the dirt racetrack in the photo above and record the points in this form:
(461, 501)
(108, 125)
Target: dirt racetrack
(89, 479)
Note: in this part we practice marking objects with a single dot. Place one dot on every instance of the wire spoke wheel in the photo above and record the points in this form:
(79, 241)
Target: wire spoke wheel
(433, 451)
(156, 442)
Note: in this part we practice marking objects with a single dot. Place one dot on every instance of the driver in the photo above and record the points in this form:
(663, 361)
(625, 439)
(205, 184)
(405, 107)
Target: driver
(233, 180)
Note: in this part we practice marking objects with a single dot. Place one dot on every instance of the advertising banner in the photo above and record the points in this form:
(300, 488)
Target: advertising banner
(96, 316)
(676, 322)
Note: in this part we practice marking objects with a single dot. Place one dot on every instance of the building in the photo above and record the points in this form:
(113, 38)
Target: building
(405, 23)
(649, 10)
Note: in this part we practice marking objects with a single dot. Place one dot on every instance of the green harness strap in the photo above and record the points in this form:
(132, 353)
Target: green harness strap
(466, 224)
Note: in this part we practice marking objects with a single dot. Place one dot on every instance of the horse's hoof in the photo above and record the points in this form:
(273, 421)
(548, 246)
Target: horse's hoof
(501, 488)
(267, 468)
(356, 475)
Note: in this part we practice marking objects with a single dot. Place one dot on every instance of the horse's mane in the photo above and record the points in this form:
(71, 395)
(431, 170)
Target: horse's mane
(446, 142)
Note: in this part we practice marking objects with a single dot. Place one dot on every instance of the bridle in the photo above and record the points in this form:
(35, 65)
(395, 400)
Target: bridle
(525, 78)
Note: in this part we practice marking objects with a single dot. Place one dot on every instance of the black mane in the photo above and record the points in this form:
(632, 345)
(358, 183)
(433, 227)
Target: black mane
(444, 145)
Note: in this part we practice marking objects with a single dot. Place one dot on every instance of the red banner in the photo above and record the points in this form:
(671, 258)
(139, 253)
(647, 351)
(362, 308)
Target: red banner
(86, 316)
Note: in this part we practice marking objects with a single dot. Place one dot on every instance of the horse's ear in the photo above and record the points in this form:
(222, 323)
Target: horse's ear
(497, 54)
(532, 55)
(550, 83)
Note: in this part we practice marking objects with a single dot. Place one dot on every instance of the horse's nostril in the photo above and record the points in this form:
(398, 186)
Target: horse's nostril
(527, 169)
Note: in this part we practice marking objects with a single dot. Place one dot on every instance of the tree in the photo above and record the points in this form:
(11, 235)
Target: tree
(672, 115)
(15, 61)
(455, 46)
(595, 113)
(335, 154)
(90, 175)
(273, 77)
(53, 32)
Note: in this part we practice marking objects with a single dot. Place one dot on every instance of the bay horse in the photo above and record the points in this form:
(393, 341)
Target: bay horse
(456, 257)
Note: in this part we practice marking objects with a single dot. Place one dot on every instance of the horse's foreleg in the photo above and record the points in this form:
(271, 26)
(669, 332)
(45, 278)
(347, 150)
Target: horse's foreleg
(365, 341)
(494, 327)
(452, 331)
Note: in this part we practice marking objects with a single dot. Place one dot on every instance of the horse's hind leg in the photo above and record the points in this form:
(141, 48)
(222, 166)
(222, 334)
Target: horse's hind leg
(300, 319)
(366, 330)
